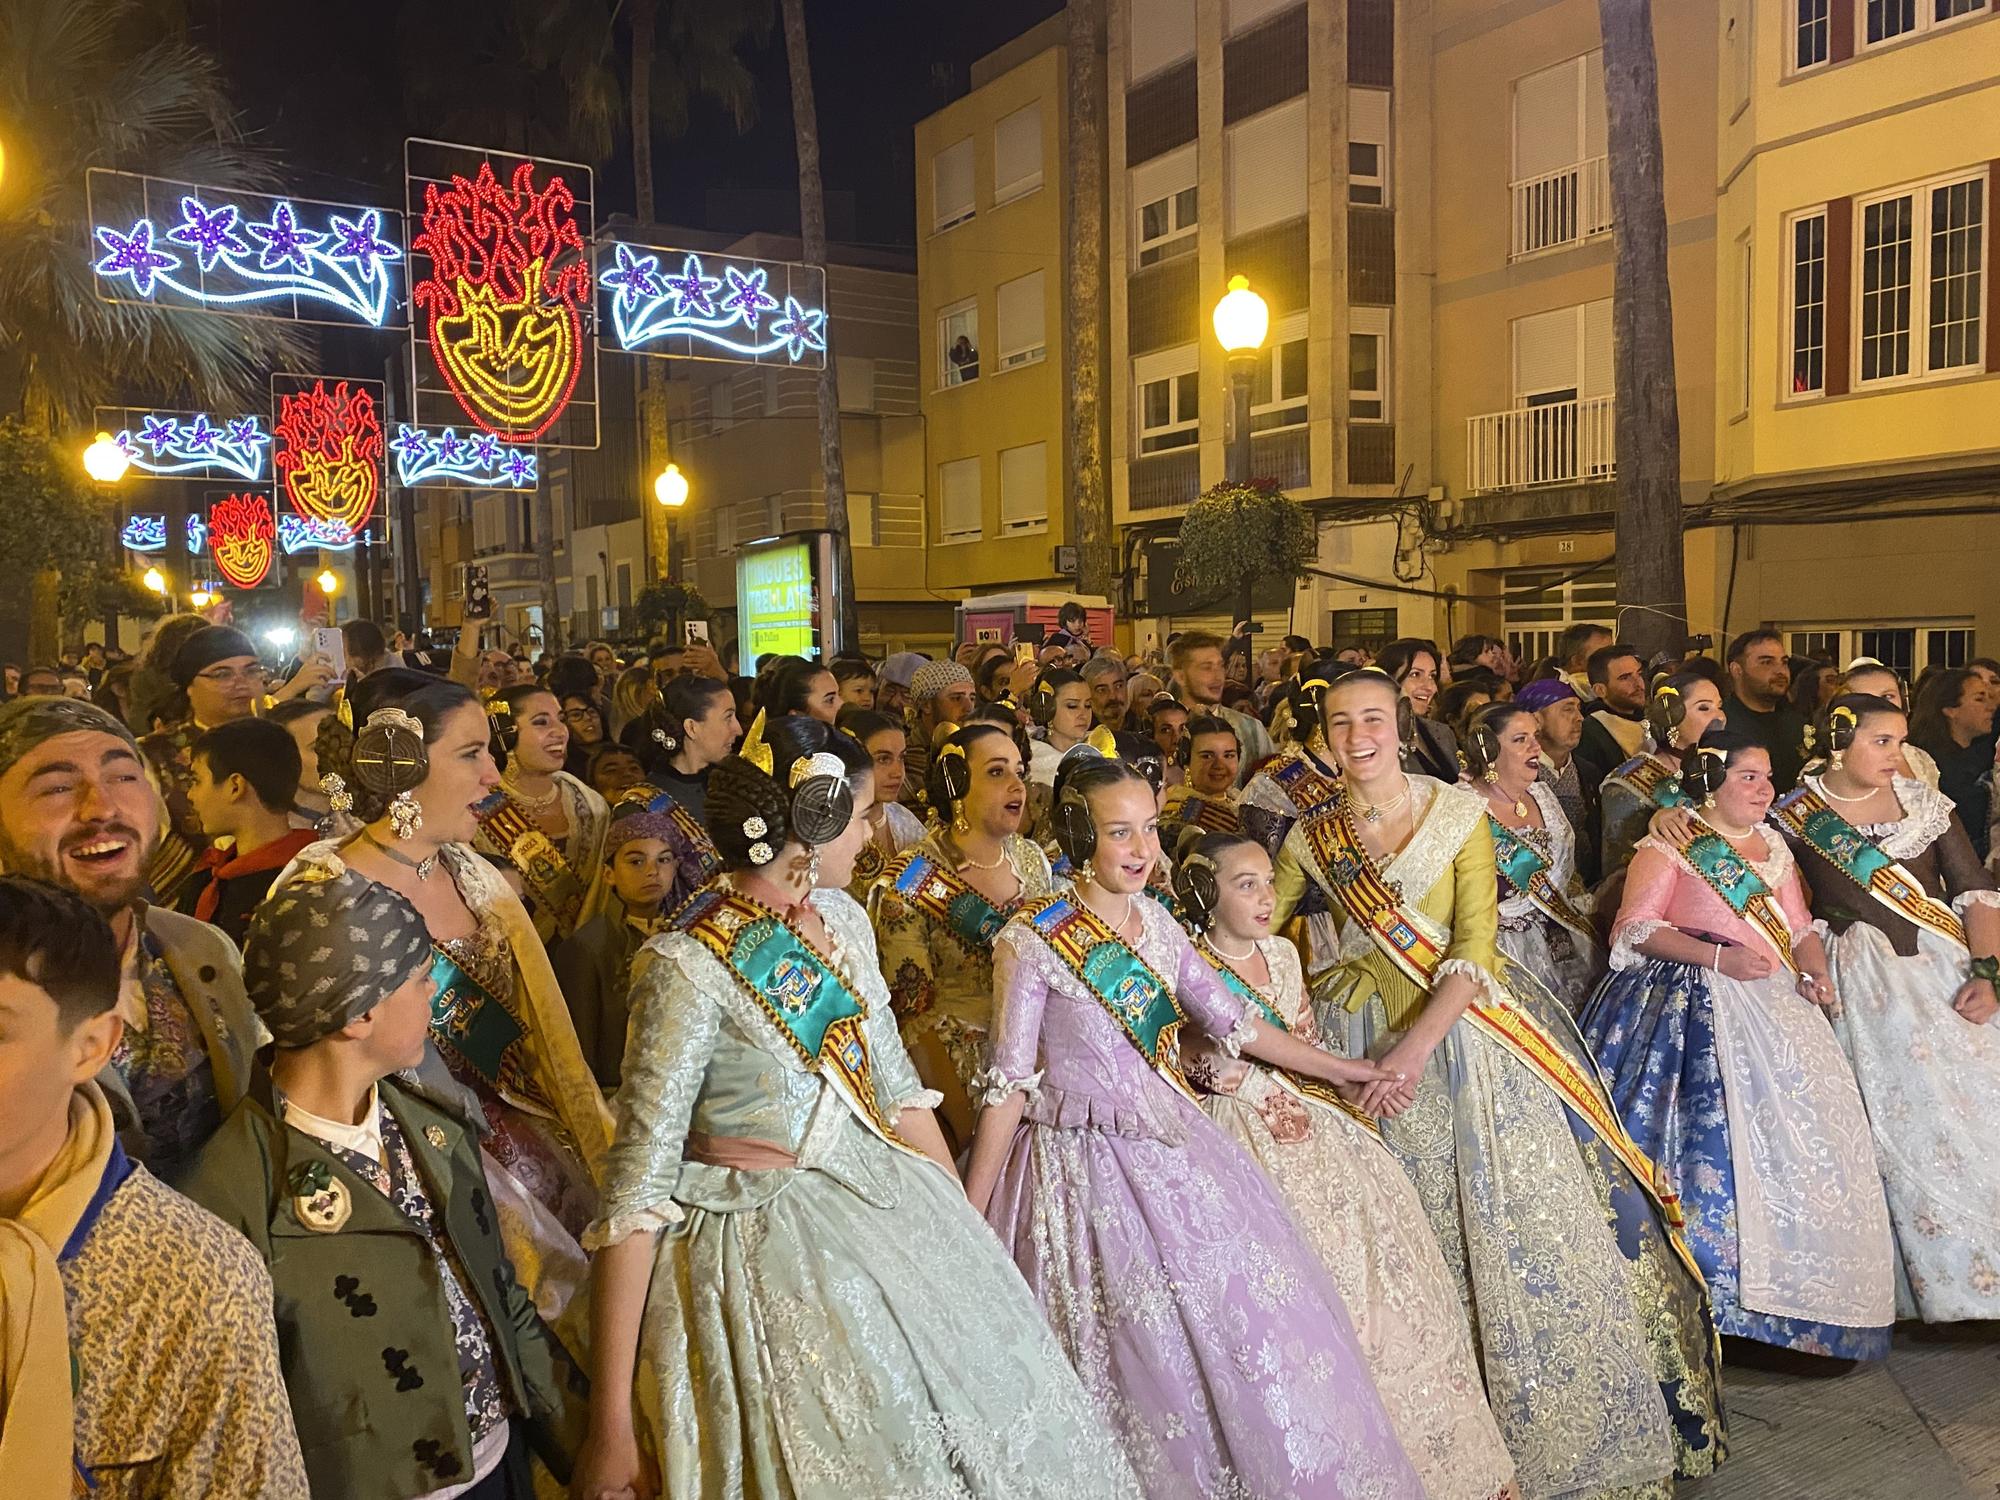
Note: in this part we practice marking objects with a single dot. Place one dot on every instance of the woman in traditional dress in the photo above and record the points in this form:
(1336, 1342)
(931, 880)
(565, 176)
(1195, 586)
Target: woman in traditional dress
(1916, 926)
(1591, 1322)
(691, 729)
(1865, 676)
(795, 1300)
(1427, 745)
(1212, 1338)
(1545, 921)
(892, 827)
(1300, 778)
(1680, 712)
(416, 775)
(1060, 704)
(940, 904)
(1346, 1191)
(1726, 1072)
(546, 829)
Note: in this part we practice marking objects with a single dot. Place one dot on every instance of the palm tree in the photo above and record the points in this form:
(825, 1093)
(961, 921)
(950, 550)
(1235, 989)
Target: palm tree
(1097, 554)
(812, 234)
(1652, 573)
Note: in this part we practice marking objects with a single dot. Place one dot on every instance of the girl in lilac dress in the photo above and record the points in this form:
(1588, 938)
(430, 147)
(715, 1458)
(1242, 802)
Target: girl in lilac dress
(1211, 1336)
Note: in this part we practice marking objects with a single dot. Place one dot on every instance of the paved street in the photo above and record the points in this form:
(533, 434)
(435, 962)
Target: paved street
(1925, 1426)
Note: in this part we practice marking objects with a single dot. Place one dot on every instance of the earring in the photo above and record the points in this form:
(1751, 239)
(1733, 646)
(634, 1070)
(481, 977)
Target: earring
(958, 824)
(1708, 803)
(1491, 775)
(1833, 761)
(406, 815)
(812, 865)
(1085, 875)
(338, 797)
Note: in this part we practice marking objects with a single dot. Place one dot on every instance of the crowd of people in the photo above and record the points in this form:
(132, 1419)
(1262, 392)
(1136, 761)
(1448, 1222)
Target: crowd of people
(1226, 1071)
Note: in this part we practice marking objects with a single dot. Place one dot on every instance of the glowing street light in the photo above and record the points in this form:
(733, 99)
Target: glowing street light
(105, 461)
(671, 487)
(1241, 321)
(155, 580)
(201, 599)
(328, 581)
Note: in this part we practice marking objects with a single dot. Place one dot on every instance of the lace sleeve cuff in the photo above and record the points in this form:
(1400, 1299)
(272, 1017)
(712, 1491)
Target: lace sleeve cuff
(620, 1227)
(1239, 1034)
(1482, 979)
(921, 1099)
(1625, 943)
(995, 1086)
(1964, 903)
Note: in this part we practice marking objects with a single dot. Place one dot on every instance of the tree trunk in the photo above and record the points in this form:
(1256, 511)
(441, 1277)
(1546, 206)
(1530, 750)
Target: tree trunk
(644, 17)
(544, 543)
(44, 617)
(812, 233)
(1097, 549)
(1652, 573)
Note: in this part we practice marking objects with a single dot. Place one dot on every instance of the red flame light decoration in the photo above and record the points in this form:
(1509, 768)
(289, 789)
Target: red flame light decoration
(330, 453)
(506, 323)
(242, 538)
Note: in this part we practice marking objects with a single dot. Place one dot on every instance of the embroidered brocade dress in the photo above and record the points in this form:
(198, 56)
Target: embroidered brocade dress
(1930, 1078)
(1361, 1214)
(1275, 799)
(900, 829)
(1623, 814)
(588, 820)
(1567, 963)
(1737, 1088)
(1593, 1335)
(1205, 1327)
(839, 1327)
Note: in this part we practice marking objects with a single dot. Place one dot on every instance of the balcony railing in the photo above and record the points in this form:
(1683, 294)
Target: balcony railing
(1563, 442)
(1563, 207)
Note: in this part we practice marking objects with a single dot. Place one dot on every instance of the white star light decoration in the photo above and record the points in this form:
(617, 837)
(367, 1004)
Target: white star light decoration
(476, 460)
(735, 314)
(169, 447)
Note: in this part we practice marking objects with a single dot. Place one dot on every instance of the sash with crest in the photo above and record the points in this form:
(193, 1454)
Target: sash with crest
(1413, 944)
(1650, 781)
(1211, 815)
(1522, 867)
(1316, 1089)
(547, 875)
(1730, 876)
(946, 898)
(707, 858)
(1305, 785)
(1137, 998)
(479, 1028)
(799, 991)
(1824, 833)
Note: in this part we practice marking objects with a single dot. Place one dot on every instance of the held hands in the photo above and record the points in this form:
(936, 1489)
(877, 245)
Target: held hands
(1746, 963)
(610, 1468)
(1818, 988)
(1976, 1001)
(1396, 1091)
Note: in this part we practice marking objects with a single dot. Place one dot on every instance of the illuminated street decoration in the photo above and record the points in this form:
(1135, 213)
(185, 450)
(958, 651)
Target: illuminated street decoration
(734, 313)
(243, 538)
(149, 534)
(300, 534)
(180, 244)
(508, 283)
(330, 452)
(166, 445)
(478, 460)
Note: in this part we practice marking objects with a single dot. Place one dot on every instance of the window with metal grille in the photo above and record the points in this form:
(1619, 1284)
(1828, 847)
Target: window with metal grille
(1808, 246)
(1811, 33)
(1369, 629)
(1908, 648)
(1539, 604)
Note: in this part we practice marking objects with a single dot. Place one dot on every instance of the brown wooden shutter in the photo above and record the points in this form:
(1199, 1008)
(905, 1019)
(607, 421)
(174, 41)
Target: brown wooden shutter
(1839, 294)
(1988, 271)
(1840, 31)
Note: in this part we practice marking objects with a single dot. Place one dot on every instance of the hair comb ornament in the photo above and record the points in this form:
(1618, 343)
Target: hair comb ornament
(753, 748)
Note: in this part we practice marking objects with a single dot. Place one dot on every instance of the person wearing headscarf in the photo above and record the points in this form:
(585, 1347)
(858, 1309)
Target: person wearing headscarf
(940, 700)
(348, 1180)
(217, 671)
(77, 810)
(89, 1238)
(892, 688)
(1559, 729)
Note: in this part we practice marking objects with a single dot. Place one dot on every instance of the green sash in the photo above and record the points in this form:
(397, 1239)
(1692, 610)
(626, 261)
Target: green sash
(1650, 781)
(1523, 868)
(476, 1026)
(799, 991)
(1729, 875)
(1807, 816)
(1138, 999)
(948, 900)
(1316, 1089)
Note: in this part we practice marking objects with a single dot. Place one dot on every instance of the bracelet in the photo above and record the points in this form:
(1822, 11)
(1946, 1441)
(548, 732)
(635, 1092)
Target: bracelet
(1987, 969)
(1718, 958)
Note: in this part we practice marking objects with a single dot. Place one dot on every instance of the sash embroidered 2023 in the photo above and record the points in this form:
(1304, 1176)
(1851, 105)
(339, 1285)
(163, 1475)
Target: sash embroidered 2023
(547, 875)
(801, 993)
(475, 1025)
(1317, 1089)
(1730, 876)
(1137, 998)
(1807, 817)
(1522, 867)
(1651, 781)
(948, 900)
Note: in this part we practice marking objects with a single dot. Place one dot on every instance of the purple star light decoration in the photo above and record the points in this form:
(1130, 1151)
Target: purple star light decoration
(800, 328)
(285, 244)
(159, 432)
(747, 297)
(692, 292)
(209, 232)
(200, 438)
(485, 449)
(637, 277)
(448, 447)
(243, 433)
(411, 445)
(134, 255)
(518, 466)
(361, 242)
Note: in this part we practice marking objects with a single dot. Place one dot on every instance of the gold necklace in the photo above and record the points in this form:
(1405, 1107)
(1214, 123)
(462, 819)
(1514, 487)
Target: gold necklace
(1374, 812)
(1520, 804)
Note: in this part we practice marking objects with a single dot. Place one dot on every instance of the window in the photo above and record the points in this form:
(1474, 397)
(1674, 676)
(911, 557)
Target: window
(1264, 166)
(854, 379)
(1024, 487)
(1746, 287)
(1561, 188)
(951, 185)
(1370, 629)
(1367, 146)
(1563, 355)
(1741, 37)
(1923, 257)
(1162, 32)
(624, 585)
(862, 520)
(725, 528)
(1910, 649)
(1538, 604)
(1164, 191)
(959, 515)
(1168, 399)
(1368, 364)
(1811, 33)
(1886, 20)
(1278, 390)
(1808, 250)
(722, 404)
(1022, 341)
(958, 343)
(1017, 153)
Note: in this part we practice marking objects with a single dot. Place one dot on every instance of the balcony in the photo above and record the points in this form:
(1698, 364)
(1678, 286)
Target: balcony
(1564, 207)
(1560, 442)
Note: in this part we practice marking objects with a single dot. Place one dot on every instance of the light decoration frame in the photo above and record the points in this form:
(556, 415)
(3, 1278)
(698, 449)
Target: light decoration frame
(298, 534)
(182, 244)
(187, 445)
(501, 277)
(478, 460)
(243, 538)
(148, 533)
(747, 311)
(329, 449)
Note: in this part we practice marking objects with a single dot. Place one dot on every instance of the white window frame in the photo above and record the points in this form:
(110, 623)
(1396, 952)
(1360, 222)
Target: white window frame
(939, 222)
(1007, 192)
(949, 377)
(1793, 221)
(1377, 181)
(1918, 332)
(1371, 323)
(1746, 314)
(1286, 404)
(1171, 366)
(1026, 354)
(1926, 22)
(1177, 168)
(1024, 525)
(954, 538)
(1802, 16)
(725, 528)
(1850, 645)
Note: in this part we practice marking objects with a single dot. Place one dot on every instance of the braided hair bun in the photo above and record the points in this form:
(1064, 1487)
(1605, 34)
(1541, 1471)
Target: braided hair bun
(1704, 767)
(806, 796)
(1841, 722)
(385, 756)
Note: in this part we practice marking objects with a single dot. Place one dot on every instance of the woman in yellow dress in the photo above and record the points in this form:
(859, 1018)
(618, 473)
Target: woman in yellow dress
(545, 827)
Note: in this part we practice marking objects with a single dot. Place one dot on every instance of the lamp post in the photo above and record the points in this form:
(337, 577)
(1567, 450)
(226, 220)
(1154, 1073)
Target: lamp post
(670, 488)
(1241, 321)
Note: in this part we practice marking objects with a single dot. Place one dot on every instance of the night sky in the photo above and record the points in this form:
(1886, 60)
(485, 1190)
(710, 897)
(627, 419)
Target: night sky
(337, 101)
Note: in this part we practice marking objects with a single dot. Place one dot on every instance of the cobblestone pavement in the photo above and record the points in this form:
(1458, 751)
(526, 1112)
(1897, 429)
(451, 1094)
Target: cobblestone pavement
(1924, 1425)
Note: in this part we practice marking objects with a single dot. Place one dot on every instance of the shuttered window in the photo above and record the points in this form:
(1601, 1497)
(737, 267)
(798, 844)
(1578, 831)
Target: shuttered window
(1024, 487)
(1167, 399)
(1265, 164)
(959, 518)
(1017, 153)
(1162, 32)
(1166, 204)
(1563, 354)
(1367, 146)
(951, 185)
(1022, 340)
(1559, 116)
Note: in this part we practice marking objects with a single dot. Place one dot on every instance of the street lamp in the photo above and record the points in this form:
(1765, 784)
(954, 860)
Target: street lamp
(155, 580)
(201, 599)
(105, 461)
(328, 581)
(1241, 321)
(671, 487)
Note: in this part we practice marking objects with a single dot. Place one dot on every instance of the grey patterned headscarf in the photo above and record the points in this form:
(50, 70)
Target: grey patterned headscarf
(322, 951)
(26, 722)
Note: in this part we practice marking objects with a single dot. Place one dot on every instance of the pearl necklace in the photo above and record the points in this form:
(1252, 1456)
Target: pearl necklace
(533, 804)
(1235, 958)
(966, 862)
(1864, 797)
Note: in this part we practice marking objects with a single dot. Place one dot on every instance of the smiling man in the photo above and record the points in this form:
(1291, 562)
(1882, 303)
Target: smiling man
(77, 811)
